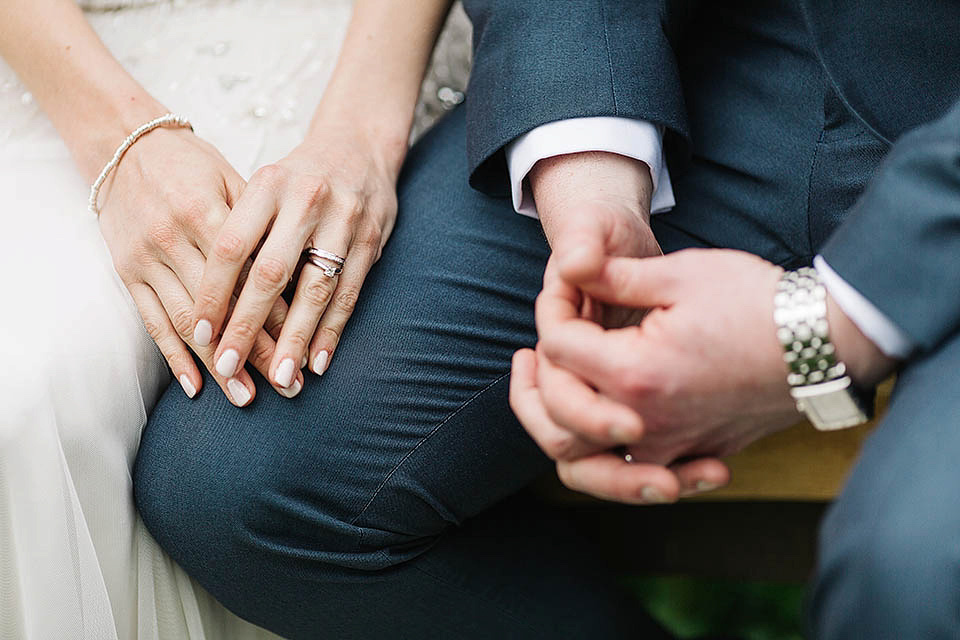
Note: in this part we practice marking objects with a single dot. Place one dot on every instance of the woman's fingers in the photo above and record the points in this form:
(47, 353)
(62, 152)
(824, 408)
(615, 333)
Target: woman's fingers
(271, 272)
(315, 289)
(226, 258)
(189, 269)
(160, 328)
(178, 306)
(340, 308)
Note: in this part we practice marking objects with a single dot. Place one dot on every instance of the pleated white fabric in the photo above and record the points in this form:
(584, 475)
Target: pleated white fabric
(78, 374)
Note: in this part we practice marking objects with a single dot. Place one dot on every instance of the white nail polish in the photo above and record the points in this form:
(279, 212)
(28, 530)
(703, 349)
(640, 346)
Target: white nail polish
(303, 362)
(652, 495)
(285, 372)
(227, 364)
(703, 485)
(238, 391)
(203, 333)
(188, 387)
(320, 363)
(293, 390)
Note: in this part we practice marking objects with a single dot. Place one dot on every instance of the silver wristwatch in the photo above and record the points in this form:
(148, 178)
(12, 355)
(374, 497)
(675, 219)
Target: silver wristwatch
(818, 381)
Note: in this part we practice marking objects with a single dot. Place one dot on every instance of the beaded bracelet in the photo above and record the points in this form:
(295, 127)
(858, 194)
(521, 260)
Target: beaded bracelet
(169, 120)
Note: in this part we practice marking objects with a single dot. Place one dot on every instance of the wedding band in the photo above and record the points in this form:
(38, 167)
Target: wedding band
(320, 259)
(328, 270)
(326, 255)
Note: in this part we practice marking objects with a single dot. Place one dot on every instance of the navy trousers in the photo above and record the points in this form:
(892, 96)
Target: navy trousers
(349, 511)
(372, 505)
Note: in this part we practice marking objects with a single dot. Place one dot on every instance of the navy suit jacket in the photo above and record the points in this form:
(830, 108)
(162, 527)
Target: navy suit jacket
(894, 65)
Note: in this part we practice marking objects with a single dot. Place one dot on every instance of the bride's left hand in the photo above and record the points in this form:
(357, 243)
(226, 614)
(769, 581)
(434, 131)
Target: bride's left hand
(335, 192)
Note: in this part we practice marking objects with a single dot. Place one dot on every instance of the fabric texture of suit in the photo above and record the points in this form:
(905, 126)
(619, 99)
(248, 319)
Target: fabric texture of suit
(874, 186)
(363, 507)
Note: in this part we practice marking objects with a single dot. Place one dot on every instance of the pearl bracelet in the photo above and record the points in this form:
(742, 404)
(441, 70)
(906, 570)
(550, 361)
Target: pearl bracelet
(169, 120)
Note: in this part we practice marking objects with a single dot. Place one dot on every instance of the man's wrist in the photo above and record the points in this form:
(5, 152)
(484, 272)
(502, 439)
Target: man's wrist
(866, 364)
(561, 183)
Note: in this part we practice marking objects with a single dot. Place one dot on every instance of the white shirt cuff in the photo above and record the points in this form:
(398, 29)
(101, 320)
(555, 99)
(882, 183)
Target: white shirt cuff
(635, 139)
(872, 322)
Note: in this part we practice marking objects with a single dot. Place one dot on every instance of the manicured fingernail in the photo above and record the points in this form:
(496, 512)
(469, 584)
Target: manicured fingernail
(292, 390)
(227, 364)
(303, 362)
(285, 371)
(188, 387)
(203, 333)
(320, 363)
(703, 485)
(652, 495)
(238, 391)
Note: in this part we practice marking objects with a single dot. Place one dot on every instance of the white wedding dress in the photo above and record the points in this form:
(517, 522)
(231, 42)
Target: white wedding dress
(78, 374)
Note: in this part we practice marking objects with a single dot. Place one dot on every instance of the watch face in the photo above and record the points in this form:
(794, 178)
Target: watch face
(830, 405)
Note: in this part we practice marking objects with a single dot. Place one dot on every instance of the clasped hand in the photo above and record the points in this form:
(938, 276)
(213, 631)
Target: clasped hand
(202, 253)
(698, 378)
(318, 196)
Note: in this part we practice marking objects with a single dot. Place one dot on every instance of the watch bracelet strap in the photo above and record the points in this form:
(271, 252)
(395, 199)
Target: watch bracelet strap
(800, 315)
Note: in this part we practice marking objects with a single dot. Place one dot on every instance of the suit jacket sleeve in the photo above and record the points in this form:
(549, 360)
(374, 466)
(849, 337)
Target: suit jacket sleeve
(900, 245)
(538, 61)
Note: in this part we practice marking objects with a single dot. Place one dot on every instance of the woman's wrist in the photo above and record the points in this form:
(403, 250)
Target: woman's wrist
(102, 126)
(385, 131)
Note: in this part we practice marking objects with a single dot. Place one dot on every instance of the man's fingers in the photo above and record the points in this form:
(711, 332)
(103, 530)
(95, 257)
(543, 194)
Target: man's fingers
(574, 406)
(580, 247)
(609, 477)
(701, 475)
(605, 359)
(558, 302)
(557, 443)
(160, 328)
(639, 282)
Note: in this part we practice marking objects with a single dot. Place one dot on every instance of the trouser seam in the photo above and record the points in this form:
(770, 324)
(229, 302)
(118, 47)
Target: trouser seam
(423, 440)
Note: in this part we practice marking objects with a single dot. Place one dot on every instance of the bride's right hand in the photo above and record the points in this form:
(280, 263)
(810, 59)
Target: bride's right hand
(160, 213)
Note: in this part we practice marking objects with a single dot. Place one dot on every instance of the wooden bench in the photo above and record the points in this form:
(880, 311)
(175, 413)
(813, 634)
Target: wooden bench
(762, 526)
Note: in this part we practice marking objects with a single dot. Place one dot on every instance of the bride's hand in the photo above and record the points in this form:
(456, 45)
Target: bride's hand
(335, 192)
(160, 213)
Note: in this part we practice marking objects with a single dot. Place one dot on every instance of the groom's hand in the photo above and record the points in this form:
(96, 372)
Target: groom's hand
(593, 205)
(703, 373)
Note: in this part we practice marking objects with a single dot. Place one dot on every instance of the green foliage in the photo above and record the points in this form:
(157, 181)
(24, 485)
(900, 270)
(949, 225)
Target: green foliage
(692, 607)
